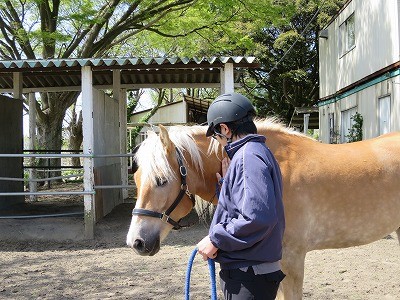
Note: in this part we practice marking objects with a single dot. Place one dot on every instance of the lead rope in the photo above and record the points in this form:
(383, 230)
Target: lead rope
(211, 268)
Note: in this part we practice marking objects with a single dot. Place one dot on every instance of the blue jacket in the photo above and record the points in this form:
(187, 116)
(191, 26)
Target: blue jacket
(249, 221)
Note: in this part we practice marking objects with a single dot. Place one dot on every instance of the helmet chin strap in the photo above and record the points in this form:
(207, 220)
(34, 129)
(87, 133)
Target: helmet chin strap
(228, 140)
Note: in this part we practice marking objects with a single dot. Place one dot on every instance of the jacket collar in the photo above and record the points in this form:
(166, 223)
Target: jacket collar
(231, 148)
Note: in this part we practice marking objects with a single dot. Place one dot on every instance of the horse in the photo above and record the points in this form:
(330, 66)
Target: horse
(335, 195)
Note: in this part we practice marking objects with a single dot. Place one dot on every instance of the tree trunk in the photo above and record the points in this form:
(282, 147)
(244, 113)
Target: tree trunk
(50, 139)
(51, 114)
(75, 135)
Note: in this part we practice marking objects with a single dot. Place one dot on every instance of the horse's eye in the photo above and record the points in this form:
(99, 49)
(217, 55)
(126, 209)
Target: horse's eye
(160, 181)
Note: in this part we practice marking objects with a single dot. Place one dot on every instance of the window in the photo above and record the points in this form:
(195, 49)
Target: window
(346, 124)
(347, 38)
(332, 134)
(384, 115)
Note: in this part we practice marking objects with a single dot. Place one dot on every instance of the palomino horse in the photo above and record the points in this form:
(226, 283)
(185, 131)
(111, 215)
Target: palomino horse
(335, 196)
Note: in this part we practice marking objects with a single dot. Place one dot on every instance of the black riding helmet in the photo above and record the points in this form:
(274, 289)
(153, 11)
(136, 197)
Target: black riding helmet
(228, 108)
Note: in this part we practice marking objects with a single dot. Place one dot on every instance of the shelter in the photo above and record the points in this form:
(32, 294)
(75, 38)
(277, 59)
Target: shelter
(190, 110)
(104, 118)
(305, 118)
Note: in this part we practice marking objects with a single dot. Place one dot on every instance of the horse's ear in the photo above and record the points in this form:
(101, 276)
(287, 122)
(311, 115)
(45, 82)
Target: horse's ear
(165, 140)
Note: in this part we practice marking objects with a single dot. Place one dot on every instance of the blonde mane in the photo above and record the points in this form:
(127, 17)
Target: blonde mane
(269, 123)
(152, 158)
(274, 124)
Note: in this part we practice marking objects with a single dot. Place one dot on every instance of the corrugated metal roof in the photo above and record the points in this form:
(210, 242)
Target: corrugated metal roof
(135, 62)
(65, 74)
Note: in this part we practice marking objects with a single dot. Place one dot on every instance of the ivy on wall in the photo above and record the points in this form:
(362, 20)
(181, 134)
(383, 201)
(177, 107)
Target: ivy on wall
(356, 132)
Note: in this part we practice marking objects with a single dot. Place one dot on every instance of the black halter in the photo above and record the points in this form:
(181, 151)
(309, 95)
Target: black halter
(165, 216)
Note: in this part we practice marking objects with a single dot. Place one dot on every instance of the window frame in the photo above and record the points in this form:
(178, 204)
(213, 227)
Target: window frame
(347, 33)
(345, 119)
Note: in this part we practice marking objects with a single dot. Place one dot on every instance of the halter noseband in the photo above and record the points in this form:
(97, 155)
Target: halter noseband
(165, 216)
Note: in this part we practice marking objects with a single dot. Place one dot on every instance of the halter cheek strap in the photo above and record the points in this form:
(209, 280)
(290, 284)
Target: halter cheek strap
(165, 216)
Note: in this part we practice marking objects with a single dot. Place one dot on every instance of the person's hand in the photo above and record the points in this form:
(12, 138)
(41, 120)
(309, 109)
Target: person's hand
(206, 248)
(224, 166)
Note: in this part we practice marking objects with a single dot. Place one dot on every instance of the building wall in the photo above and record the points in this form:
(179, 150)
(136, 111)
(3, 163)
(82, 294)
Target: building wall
(376, 44)
(107, 171)
(11, 142)
(366, 102)
(174, 113)
(171, 113)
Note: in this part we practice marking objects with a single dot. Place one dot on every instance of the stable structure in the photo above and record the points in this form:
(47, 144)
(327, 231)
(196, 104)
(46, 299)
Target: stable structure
(305, 118)
(104, 118)
(359, 67)
(11, 131)
(190, 110)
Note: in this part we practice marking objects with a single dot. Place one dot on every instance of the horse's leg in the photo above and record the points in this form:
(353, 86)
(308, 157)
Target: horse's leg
(398, 234)
(293, 266)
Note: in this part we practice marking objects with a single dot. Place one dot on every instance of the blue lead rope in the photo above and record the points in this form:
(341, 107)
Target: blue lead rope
(211, 268)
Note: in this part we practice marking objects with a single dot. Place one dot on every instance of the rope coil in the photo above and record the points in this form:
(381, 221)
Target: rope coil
(211, 268)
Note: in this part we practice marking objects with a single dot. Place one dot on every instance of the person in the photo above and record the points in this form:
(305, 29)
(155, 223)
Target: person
(245, 235)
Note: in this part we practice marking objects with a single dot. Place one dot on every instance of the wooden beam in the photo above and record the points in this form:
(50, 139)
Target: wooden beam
(88, 145)
(123, 86)
(17, 85)
(32, 139)
(120, 96)
(227, 79)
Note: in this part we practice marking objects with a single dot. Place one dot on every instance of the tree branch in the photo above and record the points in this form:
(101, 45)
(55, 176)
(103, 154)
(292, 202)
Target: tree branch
(23, 38)
(48, 24)
(133, 22)
(96, 28)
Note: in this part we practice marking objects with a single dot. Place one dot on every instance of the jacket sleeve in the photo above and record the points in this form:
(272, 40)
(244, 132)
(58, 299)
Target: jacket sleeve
(253, 213)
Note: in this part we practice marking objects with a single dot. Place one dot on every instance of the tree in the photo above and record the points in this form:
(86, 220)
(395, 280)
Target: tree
(83, 28)
(74, 28)
(289, 75)
(283, 37)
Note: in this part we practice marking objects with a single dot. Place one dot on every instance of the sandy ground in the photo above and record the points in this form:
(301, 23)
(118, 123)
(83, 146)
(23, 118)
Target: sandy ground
(106, 268)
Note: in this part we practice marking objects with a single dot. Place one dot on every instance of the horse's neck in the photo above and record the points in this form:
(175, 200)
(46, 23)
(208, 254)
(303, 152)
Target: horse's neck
(276, 140)
(204, 184)
(282, 144)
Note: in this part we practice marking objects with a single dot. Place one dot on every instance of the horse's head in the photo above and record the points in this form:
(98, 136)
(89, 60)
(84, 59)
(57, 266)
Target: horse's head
(163, 181)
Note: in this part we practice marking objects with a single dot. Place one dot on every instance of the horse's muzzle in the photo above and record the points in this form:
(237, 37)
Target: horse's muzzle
(146, 248)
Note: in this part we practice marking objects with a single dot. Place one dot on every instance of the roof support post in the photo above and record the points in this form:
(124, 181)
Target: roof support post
(120, 95)
(88, 145)
(32, 139)
(17, 85)
(306, 121)
(227, 79)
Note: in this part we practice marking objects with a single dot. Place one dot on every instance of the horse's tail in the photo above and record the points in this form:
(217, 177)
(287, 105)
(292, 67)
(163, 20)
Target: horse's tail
(398, 234)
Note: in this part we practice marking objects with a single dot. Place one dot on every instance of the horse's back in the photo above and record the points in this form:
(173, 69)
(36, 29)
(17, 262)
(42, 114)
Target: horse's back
(344, 194)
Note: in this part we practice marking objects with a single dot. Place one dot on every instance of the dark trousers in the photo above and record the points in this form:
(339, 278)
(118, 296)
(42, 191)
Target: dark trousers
(239, 285)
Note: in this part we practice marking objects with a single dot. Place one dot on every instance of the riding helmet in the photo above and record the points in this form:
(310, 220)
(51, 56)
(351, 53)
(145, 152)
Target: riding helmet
(228, 108)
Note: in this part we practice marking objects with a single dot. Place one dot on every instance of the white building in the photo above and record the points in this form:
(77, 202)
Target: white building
(360, 70)
(190, 110)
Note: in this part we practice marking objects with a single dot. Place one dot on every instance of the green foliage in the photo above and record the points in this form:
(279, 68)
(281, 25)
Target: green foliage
(356, 132)
(288, 52)
(263, 28)
(222, 28)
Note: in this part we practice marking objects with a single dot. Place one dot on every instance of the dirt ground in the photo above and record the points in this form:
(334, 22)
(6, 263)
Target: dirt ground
(32, 267)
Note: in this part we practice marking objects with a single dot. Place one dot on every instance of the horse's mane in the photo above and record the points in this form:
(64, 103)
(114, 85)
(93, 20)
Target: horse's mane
(152, 158)
(262, 124)
(274, 124)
